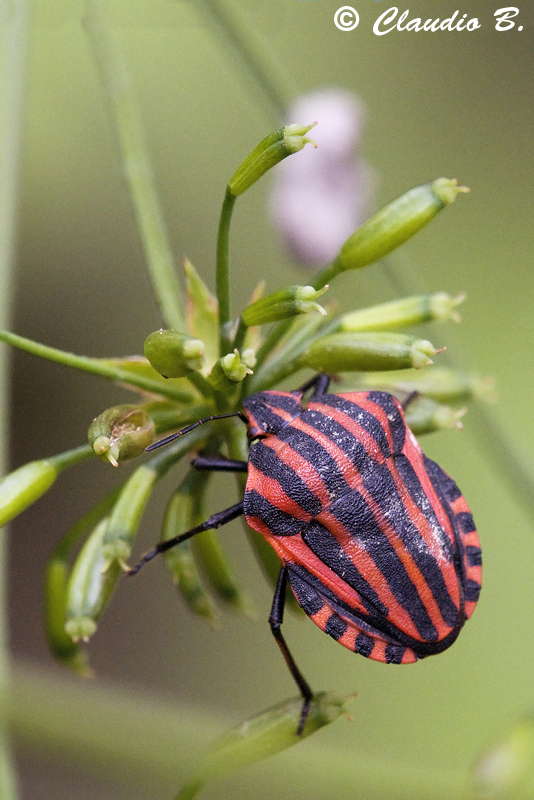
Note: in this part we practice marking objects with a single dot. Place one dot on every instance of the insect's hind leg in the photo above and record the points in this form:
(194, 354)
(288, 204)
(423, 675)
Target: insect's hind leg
(275, 621)
(320, 384)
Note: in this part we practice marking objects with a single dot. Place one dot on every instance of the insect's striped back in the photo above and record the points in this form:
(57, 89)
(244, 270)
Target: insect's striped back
(378, 533)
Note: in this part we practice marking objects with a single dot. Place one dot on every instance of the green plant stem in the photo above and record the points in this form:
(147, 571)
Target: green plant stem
(14, 28)
(327, 275)
(234, 28)
(200, 383)
(286, 360)
(71, 457)
(95, 366)
(135, 161)
(240, 334)
(273, 337)
(152, 745)
(223, 273)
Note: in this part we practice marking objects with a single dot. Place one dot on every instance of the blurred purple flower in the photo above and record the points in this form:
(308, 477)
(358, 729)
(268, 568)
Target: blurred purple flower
(321, 196)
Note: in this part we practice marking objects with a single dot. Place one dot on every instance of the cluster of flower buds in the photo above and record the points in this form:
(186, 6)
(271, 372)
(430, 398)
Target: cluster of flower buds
(206, 370)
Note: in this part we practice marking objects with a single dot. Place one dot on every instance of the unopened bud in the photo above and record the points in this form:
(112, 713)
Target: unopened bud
(61, 644)
(285, 303)
(228, 370)
(424, 415)
(273, 149)
(341, 352)
(440, 383)
(174, 354)
(264, 735)
(126, 515)
(392, 226)
(121, 433)
(90, 586)
(25, 485)
(403, 313)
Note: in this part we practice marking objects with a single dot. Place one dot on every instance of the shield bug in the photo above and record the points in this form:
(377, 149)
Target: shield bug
(376, 541)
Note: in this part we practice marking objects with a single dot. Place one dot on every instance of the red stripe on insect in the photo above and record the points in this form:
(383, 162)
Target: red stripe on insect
(272, 492)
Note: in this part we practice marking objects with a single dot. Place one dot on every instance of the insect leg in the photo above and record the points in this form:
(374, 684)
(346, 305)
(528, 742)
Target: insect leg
(188, 428)
(411, 397)
(219, 464)
(215, 521)
(319, 382)
(275, 621)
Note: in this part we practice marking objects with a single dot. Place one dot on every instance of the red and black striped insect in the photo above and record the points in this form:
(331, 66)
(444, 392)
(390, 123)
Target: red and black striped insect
(376, 541)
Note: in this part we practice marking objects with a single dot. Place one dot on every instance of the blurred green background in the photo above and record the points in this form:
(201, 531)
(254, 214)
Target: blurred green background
(451, 104)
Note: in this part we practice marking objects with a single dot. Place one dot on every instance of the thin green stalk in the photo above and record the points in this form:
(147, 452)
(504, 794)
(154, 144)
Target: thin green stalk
(223, 273)
(71, 457)
(234, 28)
(95, 366)
(135, 161)
(327, 275)
(273, 337)
(200, 383)
(14, 27)
(240, 334)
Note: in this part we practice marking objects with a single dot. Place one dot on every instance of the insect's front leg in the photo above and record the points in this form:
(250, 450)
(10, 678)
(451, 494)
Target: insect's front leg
(275, 621)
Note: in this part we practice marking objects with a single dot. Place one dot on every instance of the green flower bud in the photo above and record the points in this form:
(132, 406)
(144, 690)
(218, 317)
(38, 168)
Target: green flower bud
(275, 147)
(65, 650)
(121, 433)
(28, 483)
(126, 515)
(24, 486)
(263, 736)
(440, 383)
(403, 313)
(424, 415)
(342, 352)
(184, 511)
(283, 304)
(228, 370)
(90, 585)
(392, 226)
(174, 354)
(506, 772)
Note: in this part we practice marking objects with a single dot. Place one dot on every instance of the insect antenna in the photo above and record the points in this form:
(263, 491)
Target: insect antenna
(191, 427)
